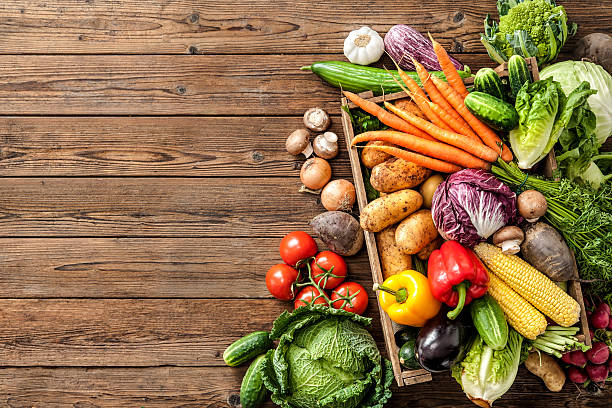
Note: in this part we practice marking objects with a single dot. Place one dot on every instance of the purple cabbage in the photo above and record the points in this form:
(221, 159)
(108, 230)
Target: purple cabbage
(403, 42)
(471, 205)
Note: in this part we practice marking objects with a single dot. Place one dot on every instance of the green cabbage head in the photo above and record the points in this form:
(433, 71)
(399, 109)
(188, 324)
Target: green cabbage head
(325, 359)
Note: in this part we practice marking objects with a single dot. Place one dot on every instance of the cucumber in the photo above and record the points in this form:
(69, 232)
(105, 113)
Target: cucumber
(494, 112)
(407, 355)
(488, 81)
(490, 321)
(247, 348)
(360, 78)
(253, 393)
(518, 74)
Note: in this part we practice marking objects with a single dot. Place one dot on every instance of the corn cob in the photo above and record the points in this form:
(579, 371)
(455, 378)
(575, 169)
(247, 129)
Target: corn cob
(520, 314)
(531, 284)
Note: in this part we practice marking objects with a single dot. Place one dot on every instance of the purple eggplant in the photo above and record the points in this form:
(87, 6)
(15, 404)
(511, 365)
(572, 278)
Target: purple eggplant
(403, 42)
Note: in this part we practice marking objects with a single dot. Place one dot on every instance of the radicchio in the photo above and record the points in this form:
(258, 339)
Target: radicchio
(471, 205)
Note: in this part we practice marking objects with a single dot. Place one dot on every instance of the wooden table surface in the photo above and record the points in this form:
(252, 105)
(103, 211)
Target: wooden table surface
(145, 187)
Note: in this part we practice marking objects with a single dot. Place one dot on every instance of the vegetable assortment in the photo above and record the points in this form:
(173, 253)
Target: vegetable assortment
(476, 250)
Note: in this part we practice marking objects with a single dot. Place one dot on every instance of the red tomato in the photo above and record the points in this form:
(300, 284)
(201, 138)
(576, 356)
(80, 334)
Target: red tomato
(328, 269)
(297, 245)
(351, 297)
(306, 295)
(280, 279)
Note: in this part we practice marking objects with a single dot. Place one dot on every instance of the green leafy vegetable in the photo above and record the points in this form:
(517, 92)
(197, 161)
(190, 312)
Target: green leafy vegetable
(486, 374)
(582, 215)
(325, 359)
(544, 114)
(530, 28)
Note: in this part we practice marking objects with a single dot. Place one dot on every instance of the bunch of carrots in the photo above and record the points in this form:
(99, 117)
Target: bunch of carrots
(452, 138)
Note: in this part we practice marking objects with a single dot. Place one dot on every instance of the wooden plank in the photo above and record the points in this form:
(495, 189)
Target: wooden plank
(163, 387)
(153, 146)
(193, 26)
(130, 332)
(163, 207)
(145, 267)
(168, 85)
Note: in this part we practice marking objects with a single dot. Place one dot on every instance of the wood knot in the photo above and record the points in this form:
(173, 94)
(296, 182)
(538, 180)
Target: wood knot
(296, 165)
(194, 18)
(457, 46)
(257, 156)
(458, 17)
(217, 354)
(233, 399)
(181, 90)
(193, 49)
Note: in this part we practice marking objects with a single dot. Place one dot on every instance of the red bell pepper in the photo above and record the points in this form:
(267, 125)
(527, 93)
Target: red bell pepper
(456, 276)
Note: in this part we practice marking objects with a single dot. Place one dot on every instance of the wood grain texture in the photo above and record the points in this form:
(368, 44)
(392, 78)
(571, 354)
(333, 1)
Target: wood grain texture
(178, 207)
(131, 332)
(193, 26)
(162, 387)
(153, 146)
(145, 267)
(168, 85)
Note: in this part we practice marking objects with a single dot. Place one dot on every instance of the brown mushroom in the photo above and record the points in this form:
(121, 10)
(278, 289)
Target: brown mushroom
(326, 145)
(299, 142)
(509, 239)
(316, 119)
(531, 205)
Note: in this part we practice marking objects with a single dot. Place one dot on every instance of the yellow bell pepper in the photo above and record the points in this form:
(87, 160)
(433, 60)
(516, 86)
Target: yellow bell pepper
(407, 299)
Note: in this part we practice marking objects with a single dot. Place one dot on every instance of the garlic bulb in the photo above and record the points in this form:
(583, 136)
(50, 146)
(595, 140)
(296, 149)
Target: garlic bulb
(363, 46)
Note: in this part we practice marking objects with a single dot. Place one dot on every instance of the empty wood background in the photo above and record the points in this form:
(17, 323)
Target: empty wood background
(144, 187)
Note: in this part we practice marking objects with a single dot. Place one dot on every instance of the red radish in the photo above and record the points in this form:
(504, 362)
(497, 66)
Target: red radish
(610, 325)
(578, 358)
(600, 319)
(577, 375)
(597, 372)
(566, 358)
(605, 307)
(599, 353)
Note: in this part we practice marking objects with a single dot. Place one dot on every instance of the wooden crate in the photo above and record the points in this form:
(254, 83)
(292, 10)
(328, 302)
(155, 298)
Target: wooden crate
(407, 377)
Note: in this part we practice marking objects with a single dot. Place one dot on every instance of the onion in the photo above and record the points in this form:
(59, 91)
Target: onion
(315, 173)
(338, 195)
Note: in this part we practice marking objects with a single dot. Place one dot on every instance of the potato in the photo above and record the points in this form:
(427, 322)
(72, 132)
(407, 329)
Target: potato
(424, 253)
(392, 261)
(389, 210)
(339, 231)
(597, 48)
(415, 232)
(397, 174)
(372, 157)
(428, 188)
(408, 105)
(545, 367)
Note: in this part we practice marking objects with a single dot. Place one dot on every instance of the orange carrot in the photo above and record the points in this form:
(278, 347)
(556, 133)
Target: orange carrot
(451, 74)
(435, 150)
(386, 117)
(408, 104)
(488, 136)
(459, 124)
(419, 97)
(458, 127)
(461, 141)
(420, 160)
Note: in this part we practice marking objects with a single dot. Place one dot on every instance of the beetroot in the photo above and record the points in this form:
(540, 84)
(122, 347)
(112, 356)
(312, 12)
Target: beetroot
(610, 364)
(578, 358)
(600, 319)
(597, 372)
(610, 325)
(599, 353)
(577, 375)
(604, 306)
(566, 358)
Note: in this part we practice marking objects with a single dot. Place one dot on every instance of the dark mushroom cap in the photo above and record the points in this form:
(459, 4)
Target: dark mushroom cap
(531, 204)
(507, 233)
(297, 141)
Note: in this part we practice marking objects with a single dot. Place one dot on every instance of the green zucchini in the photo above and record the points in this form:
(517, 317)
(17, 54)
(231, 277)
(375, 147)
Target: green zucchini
(253, 393)
(407, 355)
(518, 74)
(490, 321)
(406, 334)
(247, 348)
(488, 81)
(360, 78)
(494, 112)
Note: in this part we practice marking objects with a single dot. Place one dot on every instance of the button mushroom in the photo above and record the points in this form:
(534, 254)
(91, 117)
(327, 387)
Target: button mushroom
(531, 205)
(509, 239)
(299, 142)
(316, 119)
(326, 145)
